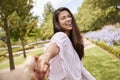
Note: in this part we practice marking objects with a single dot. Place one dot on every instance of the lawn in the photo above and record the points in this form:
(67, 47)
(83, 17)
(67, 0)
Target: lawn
(20, 59)
(101, 64)
(97, 61)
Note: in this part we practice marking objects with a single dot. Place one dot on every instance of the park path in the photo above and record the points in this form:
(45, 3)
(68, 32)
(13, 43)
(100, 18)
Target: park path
(87, 44)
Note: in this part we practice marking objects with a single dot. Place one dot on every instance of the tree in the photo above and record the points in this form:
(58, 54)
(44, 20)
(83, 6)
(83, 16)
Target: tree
(95, 13)
(46, 26)
(110, 9)
(48, 9)
(23, 11)
(6, 8)
(21, 28)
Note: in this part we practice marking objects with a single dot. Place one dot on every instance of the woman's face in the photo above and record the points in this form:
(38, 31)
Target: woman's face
(65, 20)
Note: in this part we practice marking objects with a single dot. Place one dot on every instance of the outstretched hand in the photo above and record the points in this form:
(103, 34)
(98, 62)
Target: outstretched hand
(42, 68)
(39, 66)
(34, 68)
(29, 67)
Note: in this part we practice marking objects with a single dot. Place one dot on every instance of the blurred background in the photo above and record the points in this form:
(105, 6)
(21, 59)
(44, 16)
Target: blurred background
(26, 25)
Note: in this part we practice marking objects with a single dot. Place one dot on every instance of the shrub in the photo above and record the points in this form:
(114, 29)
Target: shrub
(111, 49)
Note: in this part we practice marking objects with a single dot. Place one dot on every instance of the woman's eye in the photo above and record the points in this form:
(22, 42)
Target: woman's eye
(63, 18)
(69, 16)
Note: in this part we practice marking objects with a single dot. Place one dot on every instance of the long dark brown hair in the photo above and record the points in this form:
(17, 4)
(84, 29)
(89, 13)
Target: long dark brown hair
(75, 36)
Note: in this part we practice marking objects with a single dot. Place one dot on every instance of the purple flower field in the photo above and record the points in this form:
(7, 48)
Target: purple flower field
(110, 35)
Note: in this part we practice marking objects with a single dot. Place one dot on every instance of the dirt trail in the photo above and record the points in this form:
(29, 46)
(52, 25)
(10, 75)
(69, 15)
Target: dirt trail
(88, 44)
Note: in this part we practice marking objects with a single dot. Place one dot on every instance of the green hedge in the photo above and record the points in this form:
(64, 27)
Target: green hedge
(113, 50)
(4, 52)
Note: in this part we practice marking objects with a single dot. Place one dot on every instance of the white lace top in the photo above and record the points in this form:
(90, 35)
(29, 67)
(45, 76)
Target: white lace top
(66, 65)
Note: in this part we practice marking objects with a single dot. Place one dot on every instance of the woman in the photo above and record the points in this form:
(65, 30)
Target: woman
(65, 50)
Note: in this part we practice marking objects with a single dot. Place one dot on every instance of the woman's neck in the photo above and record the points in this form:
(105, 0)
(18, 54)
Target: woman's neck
(68, 33)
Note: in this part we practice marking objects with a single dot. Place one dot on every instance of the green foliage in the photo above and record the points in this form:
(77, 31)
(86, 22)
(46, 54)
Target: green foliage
(113, 50)
(95, 13)
(19, 10)
(2, 55)
(22, 27)
(23, 7)
(23, 23)
(2, 44)
(46, 29)
(48, 9)
(7, 7)
(2, 39)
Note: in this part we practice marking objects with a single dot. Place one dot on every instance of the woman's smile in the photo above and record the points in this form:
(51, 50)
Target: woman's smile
(65, 20)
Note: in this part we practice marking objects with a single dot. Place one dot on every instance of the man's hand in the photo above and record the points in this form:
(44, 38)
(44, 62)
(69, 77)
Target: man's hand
(24, 72)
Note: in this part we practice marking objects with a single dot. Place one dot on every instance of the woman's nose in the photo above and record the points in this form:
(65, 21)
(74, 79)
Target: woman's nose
(68, 18)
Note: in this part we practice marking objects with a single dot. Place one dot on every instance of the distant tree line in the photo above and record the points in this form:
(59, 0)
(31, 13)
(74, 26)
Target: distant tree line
(93, 14)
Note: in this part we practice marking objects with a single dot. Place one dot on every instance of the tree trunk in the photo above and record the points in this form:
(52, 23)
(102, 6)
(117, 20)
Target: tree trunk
(11, 60)
(23, 47)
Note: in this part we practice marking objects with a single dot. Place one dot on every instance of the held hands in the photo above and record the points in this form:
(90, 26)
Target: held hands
(42, 67)
(34, 68)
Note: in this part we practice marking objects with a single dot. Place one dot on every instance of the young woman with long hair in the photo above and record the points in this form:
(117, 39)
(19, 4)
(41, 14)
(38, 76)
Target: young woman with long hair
(62, 57)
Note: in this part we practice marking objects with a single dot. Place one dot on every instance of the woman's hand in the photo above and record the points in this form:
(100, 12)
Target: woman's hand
(37, 67)
(43, 63)
(43, 67)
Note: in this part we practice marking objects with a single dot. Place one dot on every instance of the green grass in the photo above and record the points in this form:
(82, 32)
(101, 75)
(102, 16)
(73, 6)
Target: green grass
(20, 59)
(97, 61)
(101, 64)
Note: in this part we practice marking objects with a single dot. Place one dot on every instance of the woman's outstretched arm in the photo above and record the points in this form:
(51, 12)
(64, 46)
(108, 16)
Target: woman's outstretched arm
(43, 67)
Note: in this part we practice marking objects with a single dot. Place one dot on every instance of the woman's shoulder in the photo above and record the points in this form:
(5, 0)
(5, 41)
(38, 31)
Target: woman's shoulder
(60, 35)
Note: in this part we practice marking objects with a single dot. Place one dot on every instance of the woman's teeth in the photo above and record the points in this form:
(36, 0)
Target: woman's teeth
(68, 24)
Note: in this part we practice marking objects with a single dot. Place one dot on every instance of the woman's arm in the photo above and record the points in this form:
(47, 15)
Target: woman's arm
(50, 52)
(43, 66)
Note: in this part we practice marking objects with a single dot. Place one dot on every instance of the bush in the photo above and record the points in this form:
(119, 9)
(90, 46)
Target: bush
(2, 44)
(4, 53)
(113, 50)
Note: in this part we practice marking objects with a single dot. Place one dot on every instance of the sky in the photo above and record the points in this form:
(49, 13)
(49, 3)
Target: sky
(71, 4)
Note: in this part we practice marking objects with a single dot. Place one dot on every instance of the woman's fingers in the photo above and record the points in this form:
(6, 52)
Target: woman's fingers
(44, 66)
